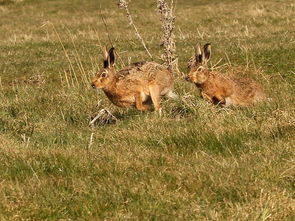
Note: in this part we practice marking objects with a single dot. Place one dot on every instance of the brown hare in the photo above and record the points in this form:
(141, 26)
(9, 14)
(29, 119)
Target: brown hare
(221, 89)
(139, 84)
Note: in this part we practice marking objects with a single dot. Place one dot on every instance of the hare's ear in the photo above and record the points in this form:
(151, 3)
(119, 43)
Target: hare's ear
(112, 56)
(105, 58)
(207, 51)
(198, 54)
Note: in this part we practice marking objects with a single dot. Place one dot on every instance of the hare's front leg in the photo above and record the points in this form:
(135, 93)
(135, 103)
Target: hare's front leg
(156, 96)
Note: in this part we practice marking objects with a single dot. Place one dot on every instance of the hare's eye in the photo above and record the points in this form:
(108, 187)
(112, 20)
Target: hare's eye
(200, 68)
(104, 74)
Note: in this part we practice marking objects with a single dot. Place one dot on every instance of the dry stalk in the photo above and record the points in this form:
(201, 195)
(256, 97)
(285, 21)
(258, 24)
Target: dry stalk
(106, 28)
(1, 83)
(123, 4)
(168, 39)
(71, 66)
(79, 63)
(91, 138)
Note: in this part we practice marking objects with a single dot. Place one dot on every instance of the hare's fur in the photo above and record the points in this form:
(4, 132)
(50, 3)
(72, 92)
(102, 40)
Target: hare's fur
(219, 88)
(139, 84)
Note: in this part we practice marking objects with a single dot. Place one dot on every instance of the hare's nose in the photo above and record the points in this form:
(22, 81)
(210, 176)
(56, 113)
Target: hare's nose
(93, 85)
(187, 78)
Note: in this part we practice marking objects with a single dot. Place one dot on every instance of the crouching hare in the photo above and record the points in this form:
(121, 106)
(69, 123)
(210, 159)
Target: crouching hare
(221, 89)
(140, 84)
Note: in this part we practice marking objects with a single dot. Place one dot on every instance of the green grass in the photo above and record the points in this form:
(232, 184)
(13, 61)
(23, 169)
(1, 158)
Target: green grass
(196, 162)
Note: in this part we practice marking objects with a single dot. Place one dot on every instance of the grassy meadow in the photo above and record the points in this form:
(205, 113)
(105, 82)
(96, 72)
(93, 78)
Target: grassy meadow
(196, 162)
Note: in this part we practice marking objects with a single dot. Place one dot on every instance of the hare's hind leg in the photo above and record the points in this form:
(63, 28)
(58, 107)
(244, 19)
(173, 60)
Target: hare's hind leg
(156, 96)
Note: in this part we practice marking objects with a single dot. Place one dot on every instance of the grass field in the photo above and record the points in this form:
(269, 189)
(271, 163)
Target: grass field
(196, 162)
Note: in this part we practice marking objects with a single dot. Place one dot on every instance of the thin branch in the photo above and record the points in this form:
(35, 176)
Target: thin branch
(123, 4)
